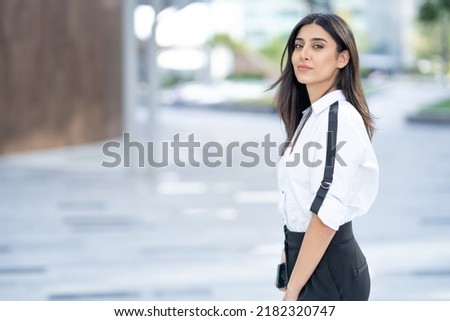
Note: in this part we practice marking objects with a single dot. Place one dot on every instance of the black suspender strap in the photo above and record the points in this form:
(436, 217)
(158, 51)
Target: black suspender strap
(329, 164)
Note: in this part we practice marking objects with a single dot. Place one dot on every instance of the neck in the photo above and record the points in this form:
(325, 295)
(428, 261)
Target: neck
(319, 89)
(316, 92)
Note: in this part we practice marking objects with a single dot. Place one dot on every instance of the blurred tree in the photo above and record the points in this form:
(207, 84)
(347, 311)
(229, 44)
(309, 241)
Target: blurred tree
(227, 41)
(437, 12)
(248, 63)
(274, 48)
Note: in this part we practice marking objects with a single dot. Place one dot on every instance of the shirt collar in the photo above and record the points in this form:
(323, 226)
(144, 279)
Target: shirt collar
(325, 101)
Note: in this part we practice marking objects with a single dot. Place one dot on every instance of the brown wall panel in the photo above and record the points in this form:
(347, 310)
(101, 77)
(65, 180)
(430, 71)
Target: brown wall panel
(60, 72)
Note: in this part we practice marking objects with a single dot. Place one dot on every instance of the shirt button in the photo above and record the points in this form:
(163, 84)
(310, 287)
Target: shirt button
(282, 192)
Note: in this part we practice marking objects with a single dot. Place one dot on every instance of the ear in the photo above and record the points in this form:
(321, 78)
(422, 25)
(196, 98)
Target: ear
(343, 59)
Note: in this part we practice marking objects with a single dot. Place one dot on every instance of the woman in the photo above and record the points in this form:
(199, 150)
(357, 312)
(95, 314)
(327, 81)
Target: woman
(319, 198)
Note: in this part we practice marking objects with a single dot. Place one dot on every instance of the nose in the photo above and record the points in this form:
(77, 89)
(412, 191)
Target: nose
(304, 53)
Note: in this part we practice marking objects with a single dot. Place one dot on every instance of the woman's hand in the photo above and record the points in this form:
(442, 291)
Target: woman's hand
(290, 295)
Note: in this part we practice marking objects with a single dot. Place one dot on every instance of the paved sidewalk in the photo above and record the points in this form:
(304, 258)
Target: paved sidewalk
(71, 229)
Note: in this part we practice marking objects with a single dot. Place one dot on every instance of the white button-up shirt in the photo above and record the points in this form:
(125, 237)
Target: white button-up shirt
(301, 170)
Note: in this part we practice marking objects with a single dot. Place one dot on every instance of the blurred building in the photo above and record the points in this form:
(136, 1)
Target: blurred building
(60, 74)
(62, 70)
(383, 28)
(384, 31)
(255, 22)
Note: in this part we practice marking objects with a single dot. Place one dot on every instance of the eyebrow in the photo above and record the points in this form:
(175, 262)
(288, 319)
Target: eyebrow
(312, 39)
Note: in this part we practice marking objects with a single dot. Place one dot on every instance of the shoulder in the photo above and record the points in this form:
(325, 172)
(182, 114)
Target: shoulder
(348, 111)
(349, 114)
(350, 121)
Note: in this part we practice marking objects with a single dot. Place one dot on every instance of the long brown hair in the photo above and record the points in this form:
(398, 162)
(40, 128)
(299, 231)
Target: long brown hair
(292, 98)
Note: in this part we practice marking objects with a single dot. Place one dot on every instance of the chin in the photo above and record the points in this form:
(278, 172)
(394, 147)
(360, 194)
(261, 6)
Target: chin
(301, 80)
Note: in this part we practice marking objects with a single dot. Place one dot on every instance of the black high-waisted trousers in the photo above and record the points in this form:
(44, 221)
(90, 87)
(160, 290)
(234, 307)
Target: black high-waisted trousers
(342, 273)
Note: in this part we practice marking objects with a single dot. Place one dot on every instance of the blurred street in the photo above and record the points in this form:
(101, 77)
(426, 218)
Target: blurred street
(71, 229)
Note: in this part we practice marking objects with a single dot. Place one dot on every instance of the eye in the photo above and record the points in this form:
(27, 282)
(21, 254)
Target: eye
(318, 46)
(298, 46)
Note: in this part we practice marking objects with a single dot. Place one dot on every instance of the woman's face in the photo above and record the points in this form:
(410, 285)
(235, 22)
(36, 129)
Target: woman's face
(315, 59)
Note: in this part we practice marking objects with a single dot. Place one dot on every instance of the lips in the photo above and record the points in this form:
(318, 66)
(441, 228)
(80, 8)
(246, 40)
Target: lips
(304, 67)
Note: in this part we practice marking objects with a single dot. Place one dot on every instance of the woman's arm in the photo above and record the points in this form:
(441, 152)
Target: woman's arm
(317, 238)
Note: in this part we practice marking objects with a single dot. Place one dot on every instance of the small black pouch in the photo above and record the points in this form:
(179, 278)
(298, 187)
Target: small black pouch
(281, 281)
